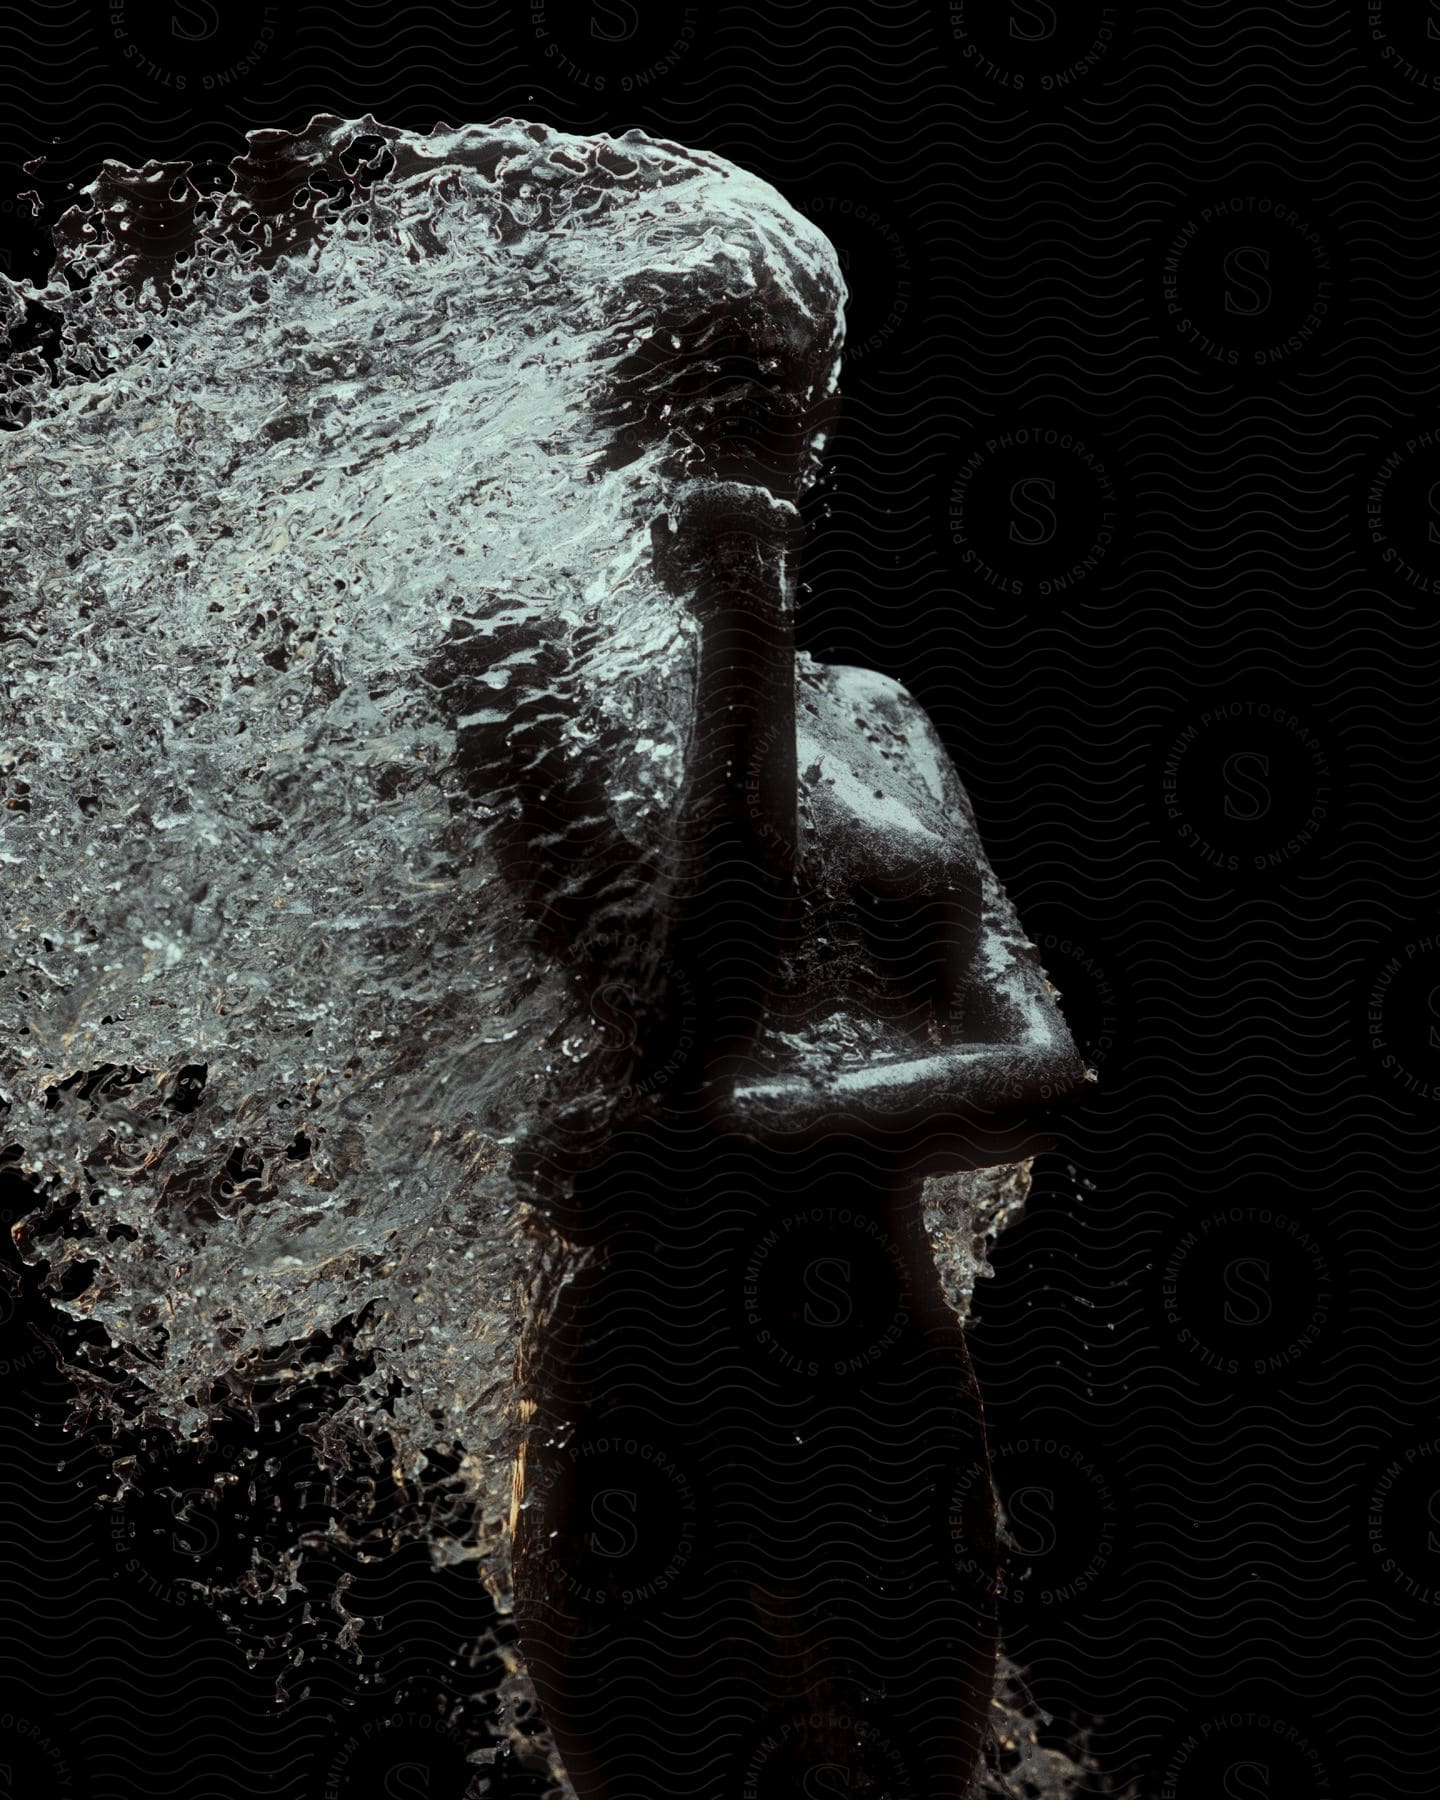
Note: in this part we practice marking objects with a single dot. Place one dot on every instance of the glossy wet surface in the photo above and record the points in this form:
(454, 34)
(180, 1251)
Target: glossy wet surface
(764, 1554)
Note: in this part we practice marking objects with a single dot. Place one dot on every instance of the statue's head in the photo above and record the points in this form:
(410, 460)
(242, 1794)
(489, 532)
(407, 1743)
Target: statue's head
(409, 775)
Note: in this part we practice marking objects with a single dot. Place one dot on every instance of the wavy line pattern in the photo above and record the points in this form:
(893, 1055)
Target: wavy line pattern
(1138, 489)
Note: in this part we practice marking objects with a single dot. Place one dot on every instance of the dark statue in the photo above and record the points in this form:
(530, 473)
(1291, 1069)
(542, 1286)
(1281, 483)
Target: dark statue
(447, 927)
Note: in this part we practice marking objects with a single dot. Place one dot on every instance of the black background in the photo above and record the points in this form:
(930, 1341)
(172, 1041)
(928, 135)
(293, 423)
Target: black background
(1138, 490)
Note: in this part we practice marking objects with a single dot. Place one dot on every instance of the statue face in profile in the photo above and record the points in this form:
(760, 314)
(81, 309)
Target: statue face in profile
(410, 777)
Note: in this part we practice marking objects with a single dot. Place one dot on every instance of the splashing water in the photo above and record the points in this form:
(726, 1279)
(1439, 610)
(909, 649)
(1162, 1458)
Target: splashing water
(327, 543)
